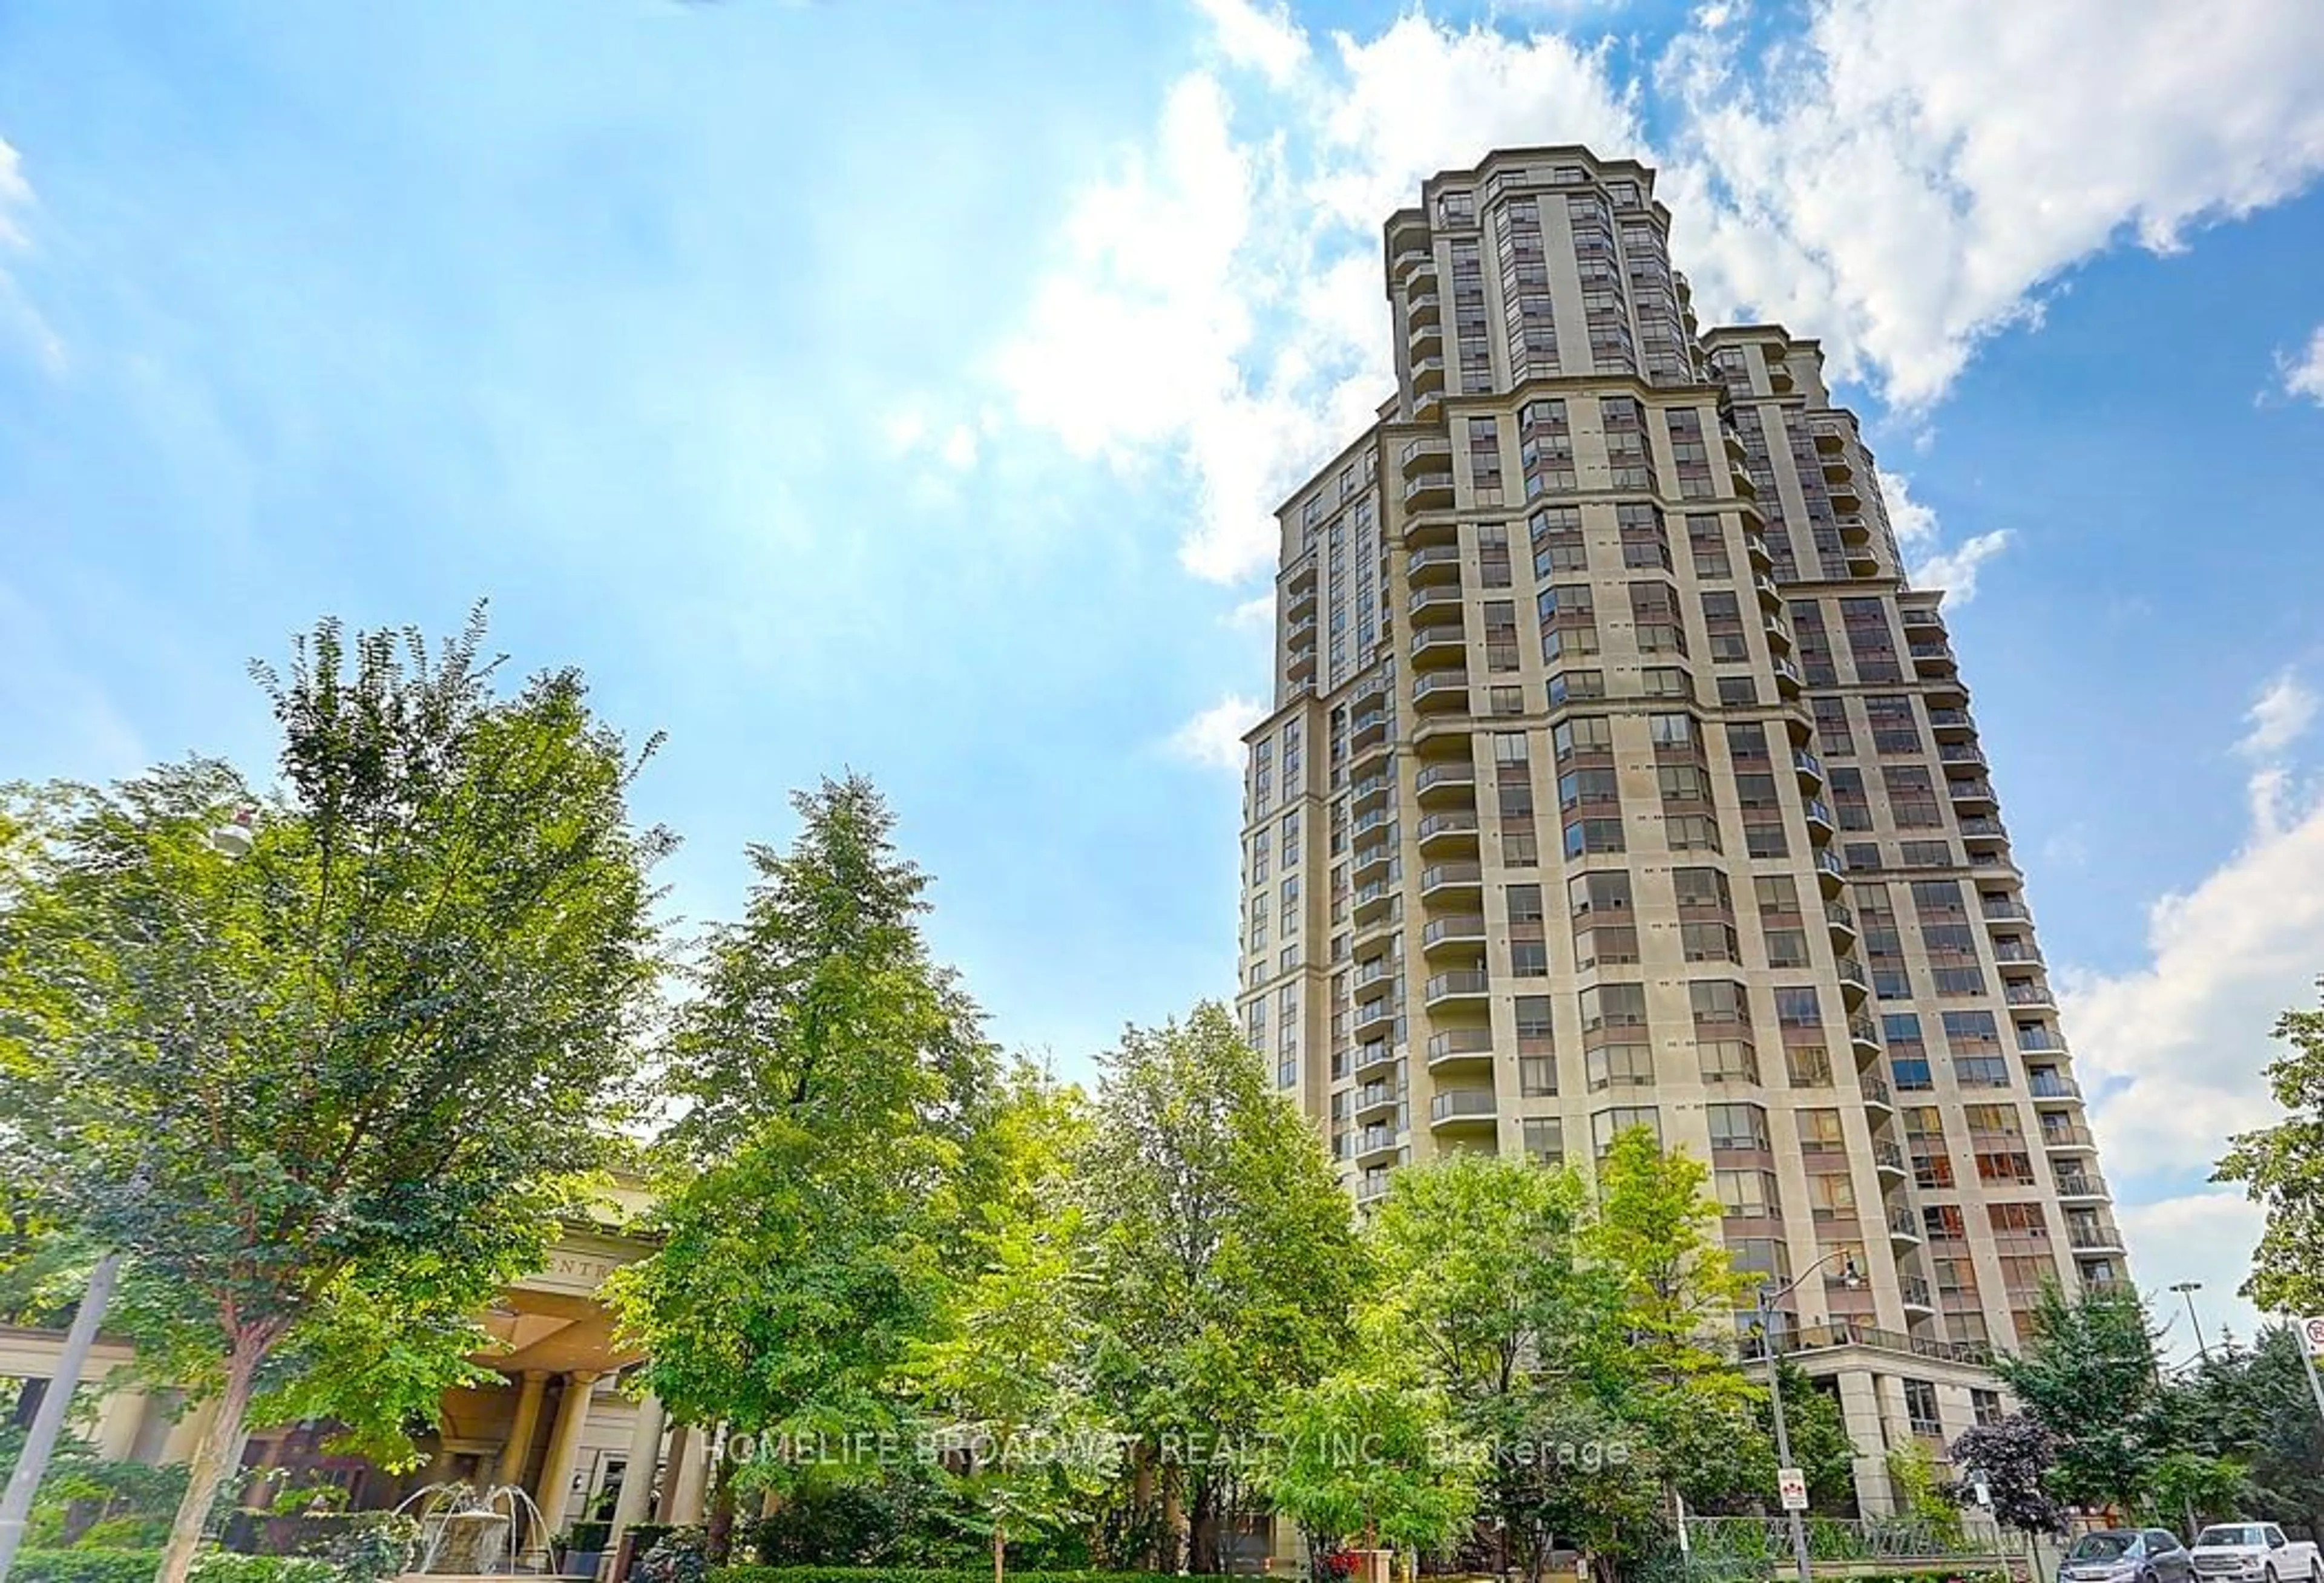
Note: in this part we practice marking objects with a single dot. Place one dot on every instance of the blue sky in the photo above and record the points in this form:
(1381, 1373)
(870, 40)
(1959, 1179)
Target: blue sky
(902, 387)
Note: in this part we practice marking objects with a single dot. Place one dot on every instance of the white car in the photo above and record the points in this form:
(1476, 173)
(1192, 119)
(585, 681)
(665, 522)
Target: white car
(2254, 1552)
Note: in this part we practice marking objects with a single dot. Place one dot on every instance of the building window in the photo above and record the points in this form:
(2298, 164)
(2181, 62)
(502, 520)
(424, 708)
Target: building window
(1544, 1139)
(1920, 1408)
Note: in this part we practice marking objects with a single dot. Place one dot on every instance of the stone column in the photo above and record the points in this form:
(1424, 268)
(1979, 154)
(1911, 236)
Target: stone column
(555, 1497)
(683, 1451)
(119, 1424)
(518, 1449)
(185, 1435)
(634, 1502)
(694, 1484)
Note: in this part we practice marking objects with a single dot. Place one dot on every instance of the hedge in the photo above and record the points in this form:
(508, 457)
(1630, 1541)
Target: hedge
(919, 1575)
(138, 1565)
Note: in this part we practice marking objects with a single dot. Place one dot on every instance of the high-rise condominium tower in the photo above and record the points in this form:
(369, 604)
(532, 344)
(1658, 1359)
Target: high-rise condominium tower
(1615, 777)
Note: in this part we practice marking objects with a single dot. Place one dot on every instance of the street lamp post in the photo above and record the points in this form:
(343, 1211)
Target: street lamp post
(2187, 1289)
(232, 840)
(1769, 1297)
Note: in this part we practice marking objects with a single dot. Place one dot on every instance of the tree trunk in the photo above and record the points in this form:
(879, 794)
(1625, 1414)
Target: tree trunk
(216, 1458)
(718, 1529)
(1141, 1508)
(1000, 1549)
(1171, 1516)
(1203, 1528)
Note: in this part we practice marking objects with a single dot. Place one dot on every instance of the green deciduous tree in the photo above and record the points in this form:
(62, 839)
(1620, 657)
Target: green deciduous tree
(1223, 1252)
(1819, 1436)
(1010, 1382)
(1654, 1234)
(836, 1082)
(345, 1088)
(2281, 1169)
(2089, 1377)
(1479, 1279)
(1368, 1453)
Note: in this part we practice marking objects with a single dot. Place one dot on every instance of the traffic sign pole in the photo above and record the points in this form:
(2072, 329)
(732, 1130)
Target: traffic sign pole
(2311, 1336)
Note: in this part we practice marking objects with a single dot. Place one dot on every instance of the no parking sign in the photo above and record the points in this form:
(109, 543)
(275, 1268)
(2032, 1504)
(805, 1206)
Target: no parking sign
(2312, 1331)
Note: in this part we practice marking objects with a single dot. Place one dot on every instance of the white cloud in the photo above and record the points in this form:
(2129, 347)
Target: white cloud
(2280, 716)
(1906, 179)
(959, 448)
(904, 429)
(2179, 1044)
(2206, 1237)
(1268, 40)
(1253, 613)
(1900, 181)
(1214, 739)
(15, 308)
(2303, 376)
(1955, 570)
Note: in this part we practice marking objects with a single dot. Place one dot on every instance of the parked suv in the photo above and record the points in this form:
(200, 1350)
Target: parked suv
(2254, 1552)
(2127, 1555)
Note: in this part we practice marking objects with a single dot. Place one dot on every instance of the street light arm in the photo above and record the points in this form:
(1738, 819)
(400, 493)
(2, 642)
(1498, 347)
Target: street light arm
(1768, 1298)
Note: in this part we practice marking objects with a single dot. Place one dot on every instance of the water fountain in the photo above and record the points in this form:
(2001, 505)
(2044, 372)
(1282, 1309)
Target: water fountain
(470, 1532)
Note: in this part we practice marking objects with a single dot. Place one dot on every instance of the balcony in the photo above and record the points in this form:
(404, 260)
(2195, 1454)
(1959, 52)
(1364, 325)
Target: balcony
(1433, 601)
(2055, 1089)
(1371, 1016)
(1372, 861)
(1787, 675)
(2035, 993)
(1448, 879)
(1422, 307)
(1915, 1293)
(2038, 1040)
(1843, 926)
(1444, 783)
(1854, 529)
(1864, 1034)
(1428, 408)
(1845, 493)
(1448, 831)
(2067, 1134)
(1460, 1047)
(1863, 560)
(1439, 644)
(1430, 453)
(1429, 491)
(1762, 558)
(1463, 929)
(1370, 793)
(1374, 1097)
(2013, 909)
(1374, 1057)
(2080, 1184)
(1831, 872)
(1433, 564)
(1427, 375)
(1462, 1110)
(1905, 1227)
(1875, 1089)
(1408, 261)
(1809, 769)
(1967, 753)
(1888, 1159)
(1301, 664)
(1370, 901)
(1853, 980)
(1373, 1145)
(1299, 604)
(1374, 1186)
(1367, 728)
(1819, 816)
(1972, 794)
(1436, 691)
(1439, 734)
(2016, 951)
(1950, 724)
(1466, 986)
(1934, 659)
(2085, 1238)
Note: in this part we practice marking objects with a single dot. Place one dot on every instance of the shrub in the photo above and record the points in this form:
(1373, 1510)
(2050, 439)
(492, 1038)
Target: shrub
(85, 1565)
(918, 1575)
(138, 1565)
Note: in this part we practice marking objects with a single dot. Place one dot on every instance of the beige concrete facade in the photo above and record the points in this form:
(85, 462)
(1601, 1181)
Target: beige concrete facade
(1617, 776)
